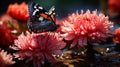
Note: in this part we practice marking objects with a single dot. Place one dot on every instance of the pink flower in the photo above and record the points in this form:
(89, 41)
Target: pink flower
(5, 59)
(38, 46)
(8, 27)
(19, 11)
(116, 37)
(86, 27)
(114, 5)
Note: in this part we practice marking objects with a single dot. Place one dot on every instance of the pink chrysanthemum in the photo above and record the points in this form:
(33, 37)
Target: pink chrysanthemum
(18, 11)
(114, 5)
(38, 46)
(8, 29)
(5, 59)
(116, 37)
(86, 27)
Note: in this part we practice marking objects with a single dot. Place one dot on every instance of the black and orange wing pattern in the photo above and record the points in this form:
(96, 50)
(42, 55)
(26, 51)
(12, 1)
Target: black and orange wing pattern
(40, 19)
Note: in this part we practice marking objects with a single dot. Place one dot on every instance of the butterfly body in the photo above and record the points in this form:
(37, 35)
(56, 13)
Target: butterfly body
(41, 20)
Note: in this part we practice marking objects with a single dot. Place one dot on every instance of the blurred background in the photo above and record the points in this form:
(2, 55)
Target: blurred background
(63, 7)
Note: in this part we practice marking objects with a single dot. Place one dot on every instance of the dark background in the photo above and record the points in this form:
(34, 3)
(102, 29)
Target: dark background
(63, 7)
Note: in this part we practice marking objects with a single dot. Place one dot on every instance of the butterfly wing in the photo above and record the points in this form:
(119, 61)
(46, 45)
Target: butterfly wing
(35, 10)
(52, 13)
(41, 20)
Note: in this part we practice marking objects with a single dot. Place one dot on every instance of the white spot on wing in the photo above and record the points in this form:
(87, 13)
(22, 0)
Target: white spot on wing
(35, 11)
(53, 13)
(40, 7)
(40, 18)
(35, 6)
(51, 10)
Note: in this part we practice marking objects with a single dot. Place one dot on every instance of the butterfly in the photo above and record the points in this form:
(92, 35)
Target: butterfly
(41, 20)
